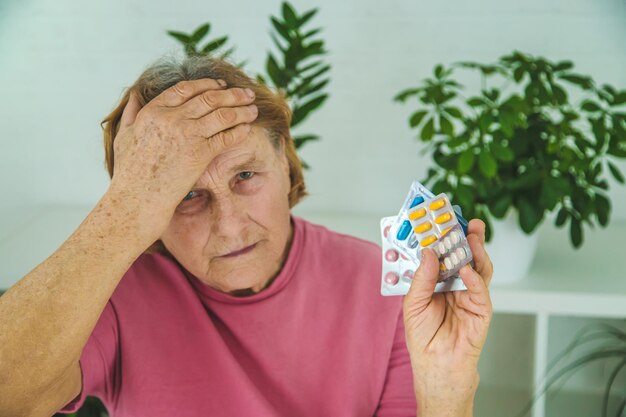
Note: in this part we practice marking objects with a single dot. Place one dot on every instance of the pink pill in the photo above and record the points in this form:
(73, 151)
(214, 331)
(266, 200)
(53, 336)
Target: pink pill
(386, 230)
(391, 255)
(408, 274)
(404, 257)
(391, 278)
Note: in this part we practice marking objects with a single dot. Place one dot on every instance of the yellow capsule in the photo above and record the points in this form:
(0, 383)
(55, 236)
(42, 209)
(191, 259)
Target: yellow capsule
(424, 227)
(417, 214)
(445, 232)
(443, 218)
(430, 239)
(436, 205)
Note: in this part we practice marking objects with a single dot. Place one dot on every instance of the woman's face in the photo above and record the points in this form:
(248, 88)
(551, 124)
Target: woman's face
(233, 229)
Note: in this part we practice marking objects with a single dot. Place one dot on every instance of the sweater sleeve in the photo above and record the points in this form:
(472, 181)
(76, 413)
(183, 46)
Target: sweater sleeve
(398, 397)
(99, 362)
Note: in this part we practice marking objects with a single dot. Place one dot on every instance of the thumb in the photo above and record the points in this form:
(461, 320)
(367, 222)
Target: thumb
(130, 110)
(425, 278)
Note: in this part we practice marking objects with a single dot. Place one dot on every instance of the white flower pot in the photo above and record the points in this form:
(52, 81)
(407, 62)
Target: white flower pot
(511, 250)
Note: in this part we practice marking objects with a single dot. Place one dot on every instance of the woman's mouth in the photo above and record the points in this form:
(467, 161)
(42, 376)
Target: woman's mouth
(240, 252)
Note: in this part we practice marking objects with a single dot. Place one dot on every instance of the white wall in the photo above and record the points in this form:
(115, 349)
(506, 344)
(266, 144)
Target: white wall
(64, 64)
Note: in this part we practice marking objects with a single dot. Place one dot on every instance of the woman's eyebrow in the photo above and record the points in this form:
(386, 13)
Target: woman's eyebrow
(251, 162)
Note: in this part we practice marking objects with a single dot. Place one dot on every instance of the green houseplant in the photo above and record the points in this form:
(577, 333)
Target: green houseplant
(298, 71)
(523, 141)
(597, 343)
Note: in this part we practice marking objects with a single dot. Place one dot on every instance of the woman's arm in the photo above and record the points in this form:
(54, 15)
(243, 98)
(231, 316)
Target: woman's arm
(160, 152)
(47, 316)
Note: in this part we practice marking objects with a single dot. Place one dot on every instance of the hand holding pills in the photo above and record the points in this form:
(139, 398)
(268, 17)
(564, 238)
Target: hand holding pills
(446, 331)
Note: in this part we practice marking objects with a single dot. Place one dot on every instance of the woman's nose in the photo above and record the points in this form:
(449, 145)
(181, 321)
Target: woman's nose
(228, 216)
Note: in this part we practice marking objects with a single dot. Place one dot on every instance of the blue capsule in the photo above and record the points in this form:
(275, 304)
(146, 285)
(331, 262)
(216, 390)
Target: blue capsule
(417, 201)
(404, 230)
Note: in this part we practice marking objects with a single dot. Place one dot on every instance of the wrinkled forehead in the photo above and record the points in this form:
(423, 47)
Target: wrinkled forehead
(253, 153)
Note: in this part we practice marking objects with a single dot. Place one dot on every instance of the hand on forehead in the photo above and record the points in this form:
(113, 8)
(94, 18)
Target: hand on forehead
(249, 155)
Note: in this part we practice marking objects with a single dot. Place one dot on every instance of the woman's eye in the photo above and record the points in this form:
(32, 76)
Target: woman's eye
(189, 196)
(246, 175)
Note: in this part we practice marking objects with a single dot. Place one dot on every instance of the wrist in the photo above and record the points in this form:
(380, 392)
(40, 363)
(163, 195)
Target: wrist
(133, 219)
(445, 394)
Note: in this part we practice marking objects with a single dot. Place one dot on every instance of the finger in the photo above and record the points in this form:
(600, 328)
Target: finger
(475, 284)
(481, 259)
(210, 100)
(226, 139)
(183, 91)
(477, 226)
(424, 280)
(221, 119)
(130, 110)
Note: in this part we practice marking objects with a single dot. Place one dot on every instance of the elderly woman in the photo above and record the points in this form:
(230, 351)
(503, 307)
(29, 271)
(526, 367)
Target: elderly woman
(190, 289)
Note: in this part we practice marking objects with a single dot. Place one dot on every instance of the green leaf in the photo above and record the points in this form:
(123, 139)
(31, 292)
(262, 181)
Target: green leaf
(310, 33)
(590, 106)
(487, 164)
(579, 80)
(466, 161)
(619, 99)
(301, 140)
(476, 102)
(561, 217)
(403, 95)
(441, 186)
(289, 15)
(274, 71)
(182, 37)
(616, 173)
(501, 205)
(464, 194)
(576, 232)
(548, 196)
(417, 118)
(502, 152)
(306, 17)
(603, 209)
(563, 65)
(315, 88)
(213, 45)
(301, 112)
(200, 33)
(281, 29)
(454, 112)
(559, 94)
(438, 71)
(518, 74)
(309, 67)
(428, 131)
(447, 128)
(484, 121)
(529, 215)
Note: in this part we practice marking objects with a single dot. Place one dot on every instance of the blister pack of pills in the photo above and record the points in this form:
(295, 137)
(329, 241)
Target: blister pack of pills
(398, 269)
(424, 221)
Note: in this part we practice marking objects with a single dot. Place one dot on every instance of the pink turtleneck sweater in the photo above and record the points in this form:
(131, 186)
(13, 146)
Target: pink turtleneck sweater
(319, 341)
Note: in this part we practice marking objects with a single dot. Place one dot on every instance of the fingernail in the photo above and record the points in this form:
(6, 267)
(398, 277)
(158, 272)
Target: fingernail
(249, 92)
(222, 83)
(253, 109)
